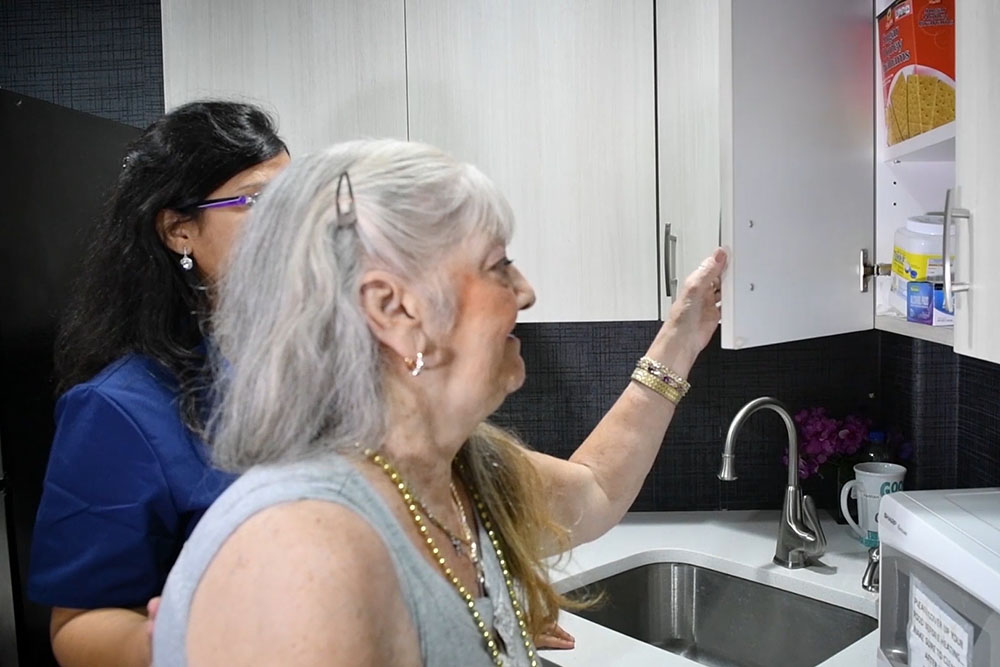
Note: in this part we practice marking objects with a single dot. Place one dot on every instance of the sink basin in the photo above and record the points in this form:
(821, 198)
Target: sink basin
(720, 620)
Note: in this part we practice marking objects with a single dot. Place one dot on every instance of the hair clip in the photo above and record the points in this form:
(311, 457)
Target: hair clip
(345, 216)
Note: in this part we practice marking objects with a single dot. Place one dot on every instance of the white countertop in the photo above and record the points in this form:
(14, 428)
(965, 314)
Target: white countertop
(739, 543)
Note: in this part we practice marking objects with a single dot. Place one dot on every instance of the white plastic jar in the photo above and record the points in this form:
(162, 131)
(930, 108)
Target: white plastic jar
(916, 255)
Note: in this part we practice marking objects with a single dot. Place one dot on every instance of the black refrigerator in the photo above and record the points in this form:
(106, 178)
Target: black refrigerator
(58, 166)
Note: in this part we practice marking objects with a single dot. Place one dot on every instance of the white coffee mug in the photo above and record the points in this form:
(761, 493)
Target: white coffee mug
(873, 481)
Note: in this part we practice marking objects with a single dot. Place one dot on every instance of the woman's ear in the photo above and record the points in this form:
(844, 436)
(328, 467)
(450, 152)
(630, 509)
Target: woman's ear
(176, 230)
(394, 312)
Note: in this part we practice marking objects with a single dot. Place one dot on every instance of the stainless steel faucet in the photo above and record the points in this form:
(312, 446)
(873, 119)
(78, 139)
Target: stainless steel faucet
(800, 536)
(870, 579)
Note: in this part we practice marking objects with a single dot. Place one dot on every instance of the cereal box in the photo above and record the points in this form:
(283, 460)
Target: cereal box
(917, 56)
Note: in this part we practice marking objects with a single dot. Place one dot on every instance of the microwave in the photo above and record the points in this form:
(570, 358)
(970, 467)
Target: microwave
(939, 578)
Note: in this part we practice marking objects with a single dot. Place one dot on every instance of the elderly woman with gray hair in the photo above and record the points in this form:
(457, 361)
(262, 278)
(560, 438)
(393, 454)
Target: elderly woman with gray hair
(365, 327)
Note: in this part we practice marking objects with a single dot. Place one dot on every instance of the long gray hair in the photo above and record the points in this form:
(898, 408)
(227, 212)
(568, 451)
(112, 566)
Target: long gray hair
(300, 368)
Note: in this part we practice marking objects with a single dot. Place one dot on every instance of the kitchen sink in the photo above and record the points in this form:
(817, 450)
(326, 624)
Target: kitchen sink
(719, 620)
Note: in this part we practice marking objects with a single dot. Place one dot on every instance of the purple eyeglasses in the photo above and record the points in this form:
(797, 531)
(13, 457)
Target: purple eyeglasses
(242, 200)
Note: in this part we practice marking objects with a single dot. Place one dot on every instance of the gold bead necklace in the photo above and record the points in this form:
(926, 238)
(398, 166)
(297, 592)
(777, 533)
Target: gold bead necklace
(414, 506)
(465, 547)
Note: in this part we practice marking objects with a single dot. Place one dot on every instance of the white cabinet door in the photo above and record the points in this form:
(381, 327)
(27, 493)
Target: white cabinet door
(797, 167)
(687, 109)
(554, 100)
(977, 158)
(331, 70)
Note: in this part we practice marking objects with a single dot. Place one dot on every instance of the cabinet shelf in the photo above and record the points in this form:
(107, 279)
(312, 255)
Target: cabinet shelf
(937, 145)
(899, 325)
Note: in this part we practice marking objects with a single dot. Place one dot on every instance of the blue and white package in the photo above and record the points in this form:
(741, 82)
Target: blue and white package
(925, 304)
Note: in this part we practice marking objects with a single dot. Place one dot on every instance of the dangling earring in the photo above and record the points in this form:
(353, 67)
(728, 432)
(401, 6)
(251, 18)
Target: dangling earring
(186, 262)
(415, 366)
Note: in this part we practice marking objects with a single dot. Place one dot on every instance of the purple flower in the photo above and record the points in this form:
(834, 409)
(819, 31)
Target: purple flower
(826, 440)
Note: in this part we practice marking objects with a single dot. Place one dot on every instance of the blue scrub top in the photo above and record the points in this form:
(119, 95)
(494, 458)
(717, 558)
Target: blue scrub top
(126, 484)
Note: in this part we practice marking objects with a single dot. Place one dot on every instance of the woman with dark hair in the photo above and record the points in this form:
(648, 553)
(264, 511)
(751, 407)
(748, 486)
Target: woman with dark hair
(128, 476)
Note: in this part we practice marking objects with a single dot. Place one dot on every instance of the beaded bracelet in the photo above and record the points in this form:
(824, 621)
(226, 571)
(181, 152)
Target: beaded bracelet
(658, 370)
(665, 390)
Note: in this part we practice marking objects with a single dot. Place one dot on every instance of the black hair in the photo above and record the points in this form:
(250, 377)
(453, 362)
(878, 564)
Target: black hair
(132, 295)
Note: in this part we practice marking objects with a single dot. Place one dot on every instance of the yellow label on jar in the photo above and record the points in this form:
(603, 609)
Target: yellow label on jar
(914, 266)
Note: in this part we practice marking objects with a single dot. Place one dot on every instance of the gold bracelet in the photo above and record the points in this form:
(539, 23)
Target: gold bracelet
(650, 381)
(656, 369)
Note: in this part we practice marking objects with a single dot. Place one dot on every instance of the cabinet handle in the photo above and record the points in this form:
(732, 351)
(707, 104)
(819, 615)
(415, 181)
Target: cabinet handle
(669, 261)
(950, 287)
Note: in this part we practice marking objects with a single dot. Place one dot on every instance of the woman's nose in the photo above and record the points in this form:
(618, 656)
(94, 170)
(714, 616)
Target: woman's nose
(525, 292)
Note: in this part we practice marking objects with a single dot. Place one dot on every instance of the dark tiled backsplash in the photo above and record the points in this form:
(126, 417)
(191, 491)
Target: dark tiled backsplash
(577, 370)
(950, 405)
(947, 406)
(978, 460)
(103, 57)
(919, 397)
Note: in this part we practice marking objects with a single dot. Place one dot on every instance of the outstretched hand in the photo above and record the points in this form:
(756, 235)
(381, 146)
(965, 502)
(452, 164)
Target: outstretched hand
(695, 314)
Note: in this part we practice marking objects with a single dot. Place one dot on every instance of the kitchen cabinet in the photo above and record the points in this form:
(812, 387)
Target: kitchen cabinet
(329, 71)
(555, 102)
(805, 179)
(792, 193)
(977, 163)
(688, 158)
(755, 123)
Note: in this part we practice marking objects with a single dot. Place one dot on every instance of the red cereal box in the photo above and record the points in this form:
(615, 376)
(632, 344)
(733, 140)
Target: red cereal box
(917, 55)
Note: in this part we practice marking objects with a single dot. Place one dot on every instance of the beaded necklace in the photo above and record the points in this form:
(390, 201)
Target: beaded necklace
(414, 506)
(465, 547)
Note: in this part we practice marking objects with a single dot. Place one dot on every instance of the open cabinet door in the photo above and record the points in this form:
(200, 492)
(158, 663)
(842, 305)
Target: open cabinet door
(797, 167)
(977, 164)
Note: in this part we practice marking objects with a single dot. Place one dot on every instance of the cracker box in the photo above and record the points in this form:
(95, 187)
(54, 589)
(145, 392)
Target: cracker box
(917, 57)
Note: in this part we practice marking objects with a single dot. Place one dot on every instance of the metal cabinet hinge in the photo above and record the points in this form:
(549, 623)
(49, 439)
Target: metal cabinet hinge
(866, 270)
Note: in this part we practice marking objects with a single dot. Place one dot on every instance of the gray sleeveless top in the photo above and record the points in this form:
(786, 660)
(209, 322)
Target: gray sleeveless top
(448, 635)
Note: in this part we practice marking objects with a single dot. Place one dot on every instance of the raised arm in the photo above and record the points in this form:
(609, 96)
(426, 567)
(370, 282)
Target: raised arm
(593, 489)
